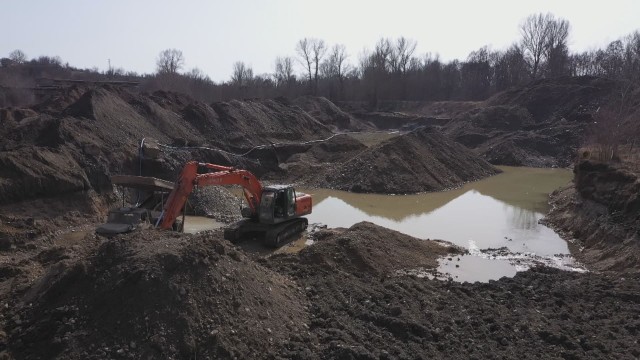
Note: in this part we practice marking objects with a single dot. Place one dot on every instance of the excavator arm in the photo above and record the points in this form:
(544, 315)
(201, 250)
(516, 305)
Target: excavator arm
(223, 175)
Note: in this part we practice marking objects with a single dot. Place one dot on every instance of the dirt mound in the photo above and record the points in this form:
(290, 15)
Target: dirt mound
(216, 202)
(154, 295)
(508, 135)
(151, 295)
(369, 249)
(602, 212)
(330, 114)
(61, 99)
(260, 121)
(572, 98)
(9, 116)
(423, 160)
(541, 124)
(537, 312)
(362, 308)
(302, 164)
(97, 134)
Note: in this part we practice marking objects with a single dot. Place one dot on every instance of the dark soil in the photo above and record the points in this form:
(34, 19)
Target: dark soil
(600, 213)
(541, 124)
(154, 294)
(423, 160)
(66, 293)
(330, 114)
(78, 139)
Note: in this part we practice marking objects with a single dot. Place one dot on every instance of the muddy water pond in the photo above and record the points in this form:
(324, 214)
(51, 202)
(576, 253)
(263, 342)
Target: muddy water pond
(497, 219)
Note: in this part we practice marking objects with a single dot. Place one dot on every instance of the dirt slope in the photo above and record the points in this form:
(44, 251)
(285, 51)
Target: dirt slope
(366, 248)
(361, 309)
(541, 124)
(154, 294)
(330, 114)
(600, 212)
(151, 295)
(423, 160)
(53, 150)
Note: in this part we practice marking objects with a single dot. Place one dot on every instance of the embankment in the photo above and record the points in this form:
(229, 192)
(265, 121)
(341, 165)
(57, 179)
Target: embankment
(600, 214)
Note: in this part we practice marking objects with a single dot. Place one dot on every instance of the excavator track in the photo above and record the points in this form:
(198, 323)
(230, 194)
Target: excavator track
(280, 233)
(274, 235)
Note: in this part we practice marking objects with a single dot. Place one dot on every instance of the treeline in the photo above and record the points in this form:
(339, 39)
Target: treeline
(391, 70)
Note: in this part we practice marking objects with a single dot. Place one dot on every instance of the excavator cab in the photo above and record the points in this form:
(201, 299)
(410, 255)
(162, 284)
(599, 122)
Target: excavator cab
(278, 204)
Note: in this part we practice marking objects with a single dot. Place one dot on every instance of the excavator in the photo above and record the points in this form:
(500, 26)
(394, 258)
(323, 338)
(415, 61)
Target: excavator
(274, 211)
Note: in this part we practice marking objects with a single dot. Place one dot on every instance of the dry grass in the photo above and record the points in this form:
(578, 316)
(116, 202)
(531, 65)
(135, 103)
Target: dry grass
(627, 155)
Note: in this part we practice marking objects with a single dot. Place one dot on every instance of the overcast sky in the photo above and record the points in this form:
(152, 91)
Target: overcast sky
(214, 34)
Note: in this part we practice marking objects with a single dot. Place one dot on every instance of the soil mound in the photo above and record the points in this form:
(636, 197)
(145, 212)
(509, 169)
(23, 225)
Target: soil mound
(9, 116)
(371, 250)
(362, 308)
(304, 163)
(375, 250)
(541, 124)
(97, 133)
(157, 295)
(423, 160)
(602, 212)
(329, 114)
(572, 98)
(259, 121)
(508, 135)
(216, 202)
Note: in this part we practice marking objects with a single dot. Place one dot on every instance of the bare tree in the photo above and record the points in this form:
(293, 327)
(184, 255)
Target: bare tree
(284, 71)
(311, 52)
(170, 61)
(319, 49)
(401, 54)
(242, 74)
(535, 31)
(18, 56)
(510, 68)
(198, 75)
(375, 68)
(543, 36)
(303, 48)
(335, 68)
(614, 125)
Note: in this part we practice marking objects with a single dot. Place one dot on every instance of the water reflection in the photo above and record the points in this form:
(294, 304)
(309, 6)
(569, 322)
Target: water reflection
(522, 218)
(501, 211)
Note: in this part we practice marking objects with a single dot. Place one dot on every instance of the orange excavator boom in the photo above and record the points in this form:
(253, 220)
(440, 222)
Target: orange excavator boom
(223, 175)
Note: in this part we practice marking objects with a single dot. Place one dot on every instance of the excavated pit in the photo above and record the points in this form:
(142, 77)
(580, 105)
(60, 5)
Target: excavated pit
(66, 293)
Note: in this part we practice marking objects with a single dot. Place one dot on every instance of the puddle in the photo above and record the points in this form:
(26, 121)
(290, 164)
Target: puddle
(457, 269)
(196, 224)
(501, 212)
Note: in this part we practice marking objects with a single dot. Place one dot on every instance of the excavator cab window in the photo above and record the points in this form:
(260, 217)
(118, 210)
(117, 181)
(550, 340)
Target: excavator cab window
(280, 204)
(291, 202)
